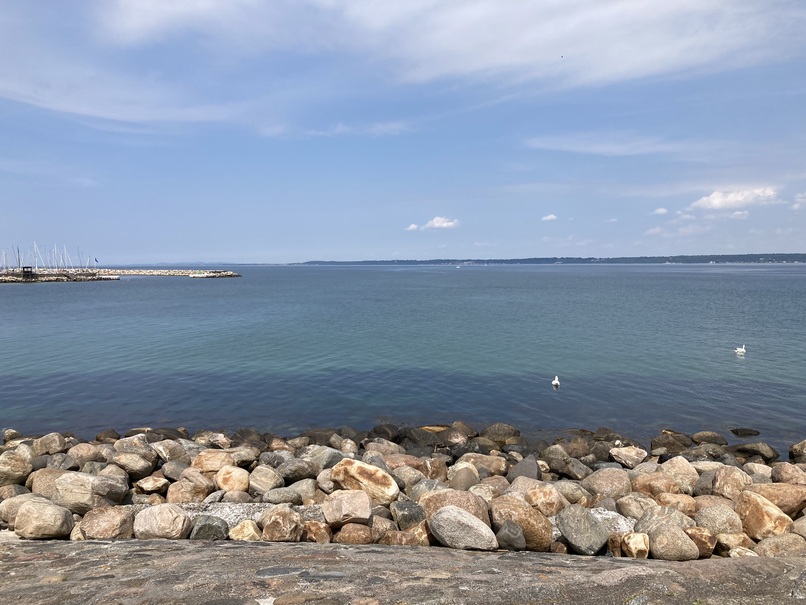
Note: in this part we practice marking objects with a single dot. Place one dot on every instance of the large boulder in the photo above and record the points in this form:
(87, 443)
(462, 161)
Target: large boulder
(719, 519)
(608, 483)
(352, 474)
(108, 523)
(81, 492)
(536, 527)
(788, 497)
(14, 468)
(281, 524)
(42, 520)
(582, 530)
(168, 521)
(730, 481)
(434, 500)
(760, 517)
(454, 527)
(347, 506)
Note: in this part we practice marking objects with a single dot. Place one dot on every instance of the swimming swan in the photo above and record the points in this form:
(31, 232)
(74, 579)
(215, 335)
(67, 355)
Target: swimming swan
(556, 382)
(740, 351)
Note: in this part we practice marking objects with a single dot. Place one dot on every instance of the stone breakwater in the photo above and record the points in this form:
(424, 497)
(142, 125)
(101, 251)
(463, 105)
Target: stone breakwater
(14, 276)
(682, 498)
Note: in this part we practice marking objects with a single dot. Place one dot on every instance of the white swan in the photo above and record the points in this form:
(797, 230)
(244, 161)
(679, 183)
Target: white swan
(556, 382)
(740, 351)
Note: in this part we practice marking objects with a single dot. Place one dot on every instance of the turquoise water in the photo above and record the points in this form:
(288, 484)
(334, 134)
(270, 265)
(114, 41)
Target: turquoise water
(637, 348)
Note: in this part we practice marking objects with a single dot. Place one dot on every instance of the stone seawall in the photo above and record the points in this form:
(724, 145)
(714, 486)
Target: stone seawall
(14, 276)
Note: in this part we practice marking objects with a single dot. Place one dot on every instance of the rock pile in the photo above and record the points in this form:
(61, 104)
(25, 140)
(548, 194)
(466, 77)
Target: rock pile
(597, 493)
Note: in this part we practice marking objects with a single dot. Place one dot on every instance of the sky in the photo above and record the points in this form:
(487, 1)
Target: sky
(279, 131)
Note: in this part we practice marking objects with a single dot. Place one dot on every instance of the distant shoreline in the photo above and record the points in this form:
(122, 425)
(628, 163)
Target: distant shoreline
(700, 259)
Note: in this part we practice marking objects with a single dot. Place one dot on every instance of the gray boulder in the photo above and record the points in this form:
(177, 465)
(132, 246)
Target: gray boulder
(585, 534)
(456, 528)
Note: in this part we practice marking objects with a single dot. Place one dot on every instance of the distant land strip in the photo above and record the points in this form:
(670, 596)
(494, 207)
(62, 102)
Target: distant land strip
(569, 260)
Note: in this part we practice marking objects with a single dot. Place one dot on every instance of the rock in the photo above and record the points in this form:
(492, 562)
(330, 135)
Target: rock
(81, 492)
(166, 521)
(281, 524)
(748, 450)
(13, 468)
(661, 516)
(295, 470)
(709, 437)
(325, 457)
(398, 538)
(456, 528)
(407, 514)
(608, 482)
(704, 539)
(262, 479)
(171, 451)
(352, 474)
(725, 543)
(719, 519)
(9, 491)
(685, 504)
(232, 479)
(212, 461)
(108, 523)
(51, 443)
(672, 441)
(635, 504)
(353, 533)
(635, 545)
(187, 490)
(152, 485)
(527, 467)
(43, 481)
(500, 432)
(464, 479)
(629, 457)
(247, 530)
(789, 498)
(729, 482)
(42, 520)
(797, 451)
(670, 543)
(546, 499)
(510, 536)
(783, 545)
(745, 432)
(282, 495)
(655, 483)
(536, 527)
(208, 527)
(173, 470)
(760, 517)
(10, 507)
(741, 551)
(613, 522)
(135, 465)
(434, 500)
(347, 506)
(584, 533)
(561, 463)
(316, 531)
(683, 472)
(495, 465)
(785, 473)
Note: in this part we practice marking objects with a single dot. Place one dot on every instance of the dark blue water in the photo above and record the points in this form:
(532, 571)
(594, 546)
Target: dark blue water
(637, 348)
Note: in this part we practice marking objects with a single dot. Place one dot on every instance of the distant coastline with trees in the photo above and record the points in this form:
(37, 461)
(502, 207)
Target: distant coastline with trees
(563, 260)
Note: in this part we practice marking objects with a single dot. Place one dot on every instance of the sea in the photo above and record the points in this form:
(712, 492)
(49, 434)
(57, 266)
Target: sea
(637, 348)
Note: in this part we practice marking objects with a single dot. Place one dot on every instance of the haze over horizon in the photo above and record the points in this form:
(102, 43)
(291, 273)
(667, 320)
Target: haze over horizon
(241, 131)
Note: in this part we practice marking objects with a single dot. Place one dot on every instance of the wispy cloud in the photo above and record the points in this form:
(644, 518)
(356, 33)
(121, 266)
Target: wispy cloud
(660, 211)
(654, 231)
(93, 67)
(549, 217)
(608, 144)
(731, 200)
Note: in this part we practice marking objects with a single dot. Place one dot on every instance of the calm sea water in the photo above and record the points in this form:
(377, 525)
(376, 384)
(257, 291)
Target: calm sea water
(637, 348)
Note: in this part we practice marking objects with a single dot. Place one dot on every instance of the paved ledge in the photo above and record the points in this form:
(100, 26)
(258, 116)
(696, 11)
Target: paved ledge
(261, 573)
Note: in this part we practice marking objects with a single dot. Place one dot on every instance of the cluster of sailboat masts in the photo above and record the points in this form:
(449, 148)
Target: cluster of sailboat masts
(54, 259)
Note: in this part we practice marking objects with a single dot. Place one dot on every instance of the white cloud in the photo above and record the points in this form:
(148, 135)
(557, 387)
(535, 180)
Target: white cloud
(549, 217)
(441, 222)
(654, 231)
(660, 211)
(612, 220)
(740, 214)
(412, 227)
(797, 206)
(800, 200)
(730, 200)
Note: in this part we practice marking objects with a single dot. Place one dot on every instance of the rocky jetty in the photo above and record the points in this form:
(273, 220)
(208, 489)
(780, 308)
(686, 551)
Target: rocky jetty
(679, 498)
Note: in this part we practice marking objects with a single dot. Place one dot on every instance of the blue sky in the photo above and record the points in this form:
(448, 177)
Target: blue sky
(293, 130)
